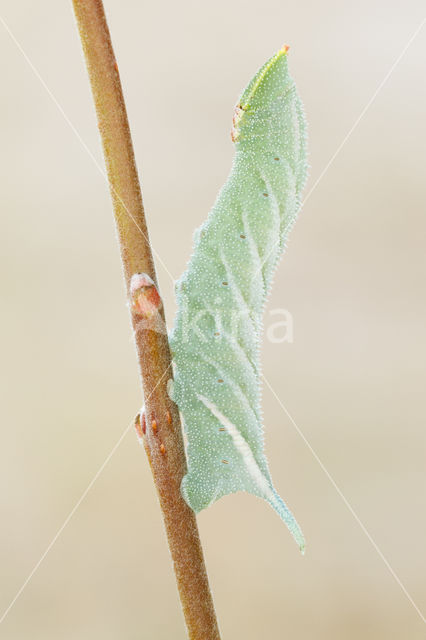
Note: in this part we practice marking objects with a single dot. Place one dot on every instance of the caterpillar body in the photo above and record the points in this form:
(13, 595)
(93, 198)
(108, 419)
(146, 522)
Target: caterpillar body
(221, 296)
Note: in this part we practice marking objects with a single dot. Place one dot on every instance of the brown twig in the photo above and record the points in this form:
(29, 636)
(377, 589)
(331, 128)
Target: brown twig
(161, 431)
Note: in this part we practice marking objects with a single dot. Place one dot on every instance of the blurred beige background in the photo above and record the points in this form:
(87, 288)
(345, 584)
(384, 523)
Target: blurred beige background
(353, 279)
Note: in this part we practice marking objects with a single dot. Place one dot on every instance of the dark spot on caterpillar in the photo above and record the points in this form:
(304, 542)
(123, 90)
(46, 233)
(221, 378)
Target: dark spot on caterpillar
(154, 425)
(169, 417)
(162, 449)
(225, 284)
(242, 236)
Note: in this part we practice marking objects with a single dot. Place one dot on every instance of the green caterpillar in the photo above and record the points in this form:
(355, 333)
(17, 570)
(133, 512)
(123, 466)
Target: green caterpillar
(221, 296)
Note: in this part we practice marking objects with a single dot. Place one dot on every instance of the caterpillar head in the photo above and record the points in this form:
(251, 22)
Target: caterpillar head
(260, 94)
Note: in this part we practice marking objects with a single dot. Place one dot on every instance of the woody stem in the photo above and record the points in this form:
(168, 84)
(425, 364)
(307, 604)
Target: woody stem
(163, 435)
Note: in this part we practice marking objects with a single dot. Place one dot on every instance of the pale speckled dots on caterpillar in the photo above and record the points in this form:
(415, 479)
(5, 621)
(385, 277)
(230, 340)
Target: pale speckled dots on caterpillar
(221, 295)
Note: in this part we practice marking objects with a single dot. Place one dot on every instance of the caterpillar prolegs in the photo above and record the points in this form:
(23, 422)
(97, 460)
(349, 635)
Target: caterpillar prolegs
(222, 293)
